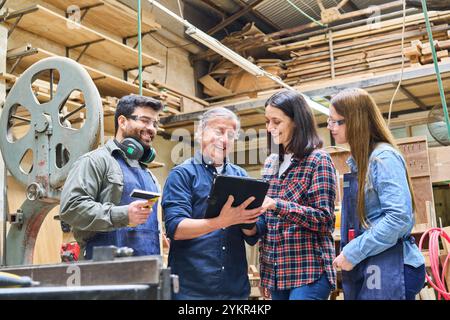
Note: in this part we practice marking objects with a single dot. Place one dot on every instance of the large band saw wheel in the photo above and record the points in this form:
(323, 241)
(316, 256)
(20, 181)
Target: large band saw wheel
(52, 140)
(49, 137)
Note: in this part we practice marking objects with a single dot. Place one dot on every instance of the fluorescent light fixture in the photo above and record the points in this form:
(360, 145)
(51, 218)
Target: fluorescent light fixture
(234, 57)
(224, 51)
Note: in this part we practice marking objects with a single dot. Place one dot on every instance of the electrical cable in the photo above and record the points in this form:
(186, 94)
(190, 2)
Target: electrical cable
(305, 14)
(437, 280)
(139, 13)
(403, 64)
(179, 8)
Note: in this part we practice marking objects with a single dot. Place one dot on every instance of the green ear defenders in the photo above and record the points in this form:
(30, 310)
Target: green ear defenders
(136, 151)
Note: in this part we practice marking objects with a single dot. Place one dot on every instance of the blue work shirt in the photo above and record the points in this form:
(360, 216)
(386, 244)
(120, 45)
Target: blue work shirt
(213, 266)
(388, 207)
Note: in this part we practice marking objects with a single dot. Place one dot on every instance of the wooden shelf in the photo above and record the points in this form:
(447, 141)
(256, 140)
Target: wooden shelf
(107, 85)
(45, 23)
(109, 15)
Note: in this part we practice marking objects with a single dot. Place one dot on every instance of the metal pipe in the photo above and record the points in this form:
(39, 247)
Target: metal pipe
(140, 45)
(73, 112)
(436, 67)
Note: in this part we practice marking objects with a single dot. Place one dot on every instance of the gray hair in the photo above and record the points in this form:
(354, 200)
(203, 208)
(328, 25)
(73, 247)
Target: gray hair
(215, 113)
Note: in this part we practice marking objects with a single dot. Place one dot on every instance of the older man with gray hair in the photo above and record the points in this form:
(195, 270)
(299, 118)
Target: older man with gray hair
(208, 254)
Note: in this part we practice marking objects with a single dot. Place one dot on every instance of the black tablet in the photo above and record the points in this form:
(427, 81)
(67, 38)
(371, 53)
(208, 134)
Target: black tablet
(146, 195)
(241, 188)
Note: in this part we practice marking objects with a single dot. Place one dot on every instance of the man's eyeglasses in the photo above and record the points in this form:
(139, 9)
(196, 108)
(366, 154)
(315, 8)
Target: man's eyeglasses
(145, 120)
(231, 135)
(333, 123)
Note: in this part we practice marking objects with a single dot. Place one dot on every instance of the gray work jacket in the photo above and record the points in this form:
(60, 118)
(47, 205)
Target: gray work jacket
(92, 192)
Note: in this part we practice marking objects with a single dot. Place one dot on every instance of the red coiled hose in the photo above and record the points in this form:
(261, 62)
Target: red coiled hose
(439, 280)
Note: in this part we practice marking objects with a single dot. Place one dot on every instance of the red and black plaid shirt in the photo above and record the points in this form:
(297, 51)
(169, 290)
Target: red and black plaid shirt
(298, 246)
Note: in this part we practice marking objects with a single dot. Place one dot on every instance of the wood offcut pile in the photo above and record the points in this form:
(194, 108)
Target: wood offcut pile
(420, 53)
(228, 80)
(365, 50)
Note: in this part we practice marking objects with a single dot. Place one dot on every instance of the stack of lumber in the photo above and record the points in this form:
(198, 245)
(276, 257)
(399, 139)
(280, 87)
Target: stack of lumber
(248, 42)
(228, 80)
(369, 49)
(421, 53)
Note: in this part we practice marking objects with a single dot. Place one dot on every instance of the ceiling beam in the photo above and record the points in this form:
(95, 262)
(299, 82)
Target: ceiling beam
(234, 17)
(215, 7)
(356, 8)
(412, 97)
(260, 16)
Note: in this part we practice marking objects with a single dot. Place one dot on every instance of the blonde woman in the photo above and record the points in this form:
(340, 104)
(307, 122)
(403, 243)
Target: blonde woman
(379, 259)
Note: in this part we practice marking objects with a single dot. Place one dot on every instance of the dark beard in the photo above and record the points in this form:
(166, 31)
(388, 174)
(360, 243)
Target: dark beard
(136, 136)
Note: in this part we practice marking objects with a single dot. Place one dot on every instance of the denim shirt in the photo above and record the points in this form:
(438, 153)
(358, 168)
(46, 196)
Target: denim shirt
(212, 266)
(388, 208)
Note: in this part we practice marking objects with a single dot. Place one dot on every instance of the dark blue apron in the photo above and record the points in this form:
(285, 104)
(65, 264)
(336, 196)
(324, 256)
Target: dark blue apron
(144, 238)
(379, 277)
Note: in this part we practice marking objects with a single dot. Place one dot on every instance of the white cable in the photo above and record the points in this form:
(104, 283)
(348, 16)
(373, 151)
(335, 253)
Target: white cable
(403, 64)
(179, 8)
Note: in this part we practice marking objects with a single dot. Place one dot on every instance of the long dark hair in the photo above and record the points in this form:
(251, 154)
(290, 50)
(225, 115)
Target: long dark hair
(304, 137)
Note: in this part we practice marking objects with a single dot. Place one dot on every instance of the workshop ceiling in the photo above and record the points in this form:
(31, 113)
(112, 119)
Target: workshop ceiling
(268, 15)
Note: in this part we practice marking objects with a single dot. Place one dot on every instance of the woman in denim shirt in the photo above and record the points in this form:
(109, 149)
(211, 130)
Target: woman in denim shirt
(381, 261)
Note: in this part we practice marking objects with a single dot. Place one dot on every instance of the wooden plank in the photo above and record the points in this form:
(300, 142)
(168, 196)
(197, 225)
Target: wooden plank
(108, 16)
(415, 151)
(440, 164)
(50, 25)
(362, 42)
(188, 105)
(178, 92)
(339, 158)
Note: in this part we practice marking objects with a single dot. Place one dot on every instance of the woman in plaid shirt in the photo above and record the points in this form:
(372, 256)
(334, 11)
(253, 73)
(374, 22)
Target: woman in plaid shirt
(297, 249)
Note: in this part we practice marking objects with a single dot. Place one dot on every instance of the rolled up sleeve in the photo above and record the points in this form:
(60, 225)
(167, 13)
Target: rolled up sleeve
(176, 200)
